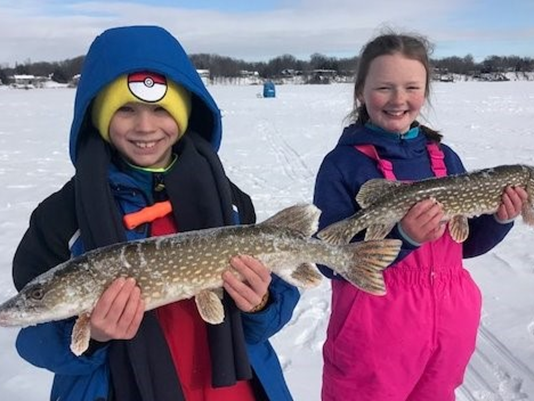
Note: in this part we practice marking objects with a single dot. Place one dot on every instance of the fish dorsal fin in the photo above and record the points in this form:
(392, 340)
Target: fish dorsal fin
(210, 307)
(81, 334)
(373, 189)
(302, 217)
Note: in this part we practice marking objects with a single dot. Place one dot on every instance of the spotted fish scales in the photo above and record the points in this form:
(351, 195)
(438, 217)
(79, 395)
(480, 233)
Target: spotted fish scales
(384, 203)
(185, 265)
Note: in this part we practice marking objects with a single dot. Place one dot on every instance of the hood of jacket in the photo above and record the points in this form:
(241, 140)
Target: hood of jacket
(124, 50)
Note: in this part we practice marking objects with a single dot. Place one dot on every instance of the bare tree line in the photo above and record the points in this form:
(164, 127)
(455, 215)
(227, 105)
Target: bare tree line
(221, 66)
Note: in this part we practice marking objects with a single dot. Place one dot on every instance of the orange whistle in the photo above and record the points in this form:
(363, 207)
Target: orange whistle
(147, 214)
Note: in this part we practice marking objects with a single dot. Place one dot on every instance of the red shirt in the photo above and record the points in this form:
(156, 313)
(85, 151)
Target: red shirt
(187, 338)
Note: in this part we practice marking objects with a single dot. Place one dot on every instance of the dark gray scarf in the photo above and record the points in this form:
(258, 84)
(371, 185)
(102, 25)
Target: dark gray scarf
(142, 369)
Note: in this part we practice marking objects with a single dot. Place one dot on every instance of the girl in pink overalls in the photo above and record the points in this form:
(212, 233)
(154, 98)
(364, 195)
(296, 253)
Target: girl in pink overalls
(415, 342)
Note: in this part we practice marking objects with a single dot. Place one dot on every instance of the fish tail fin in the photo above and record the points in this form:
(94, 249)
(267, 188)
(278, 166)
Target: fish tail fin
(301, 217)
(367, 262)
(343, 231)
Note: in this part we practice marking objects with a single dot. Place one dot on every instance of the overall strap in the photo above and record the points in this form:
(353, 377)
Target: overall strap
(436, 159)
(386, 168)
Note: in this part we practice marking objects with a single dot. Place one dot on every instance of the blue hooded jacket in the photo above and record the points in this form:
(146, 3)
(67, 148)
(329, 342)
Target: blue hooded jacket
(345, 169)
(116, 52)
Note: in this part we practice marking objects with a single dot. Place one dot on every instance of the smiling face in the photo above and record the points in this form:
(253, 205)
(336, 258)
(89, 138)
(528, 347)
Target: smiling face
(144, 134)
(394, 92)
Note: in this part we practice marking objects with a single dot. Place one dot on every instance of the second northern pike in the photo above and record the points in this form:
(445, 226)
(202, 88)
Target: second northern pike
(384, 203)
(190, 264)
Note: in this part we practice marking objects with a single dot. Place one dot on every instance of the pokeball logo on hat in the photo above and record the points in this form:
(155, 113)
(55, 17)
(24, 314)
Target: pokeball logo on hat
(147, 86)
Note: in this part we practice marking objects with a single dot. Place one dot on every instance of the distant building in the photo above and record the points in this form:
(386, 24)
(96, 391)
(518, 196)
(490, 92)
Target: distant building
(73, 83)
(322, 76)
(205, 76)
(442, 75)
(23, 81)
(251, 77)
(26, 81)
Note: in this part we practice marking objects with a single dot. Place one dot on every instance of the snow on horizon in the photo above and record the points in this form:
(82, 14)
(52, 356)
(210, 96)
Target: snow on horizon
(272, 149)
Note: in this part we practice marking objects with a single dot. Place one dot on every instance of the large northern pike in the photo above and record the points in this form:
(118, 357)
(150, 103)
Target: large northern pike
(185, 265)
(384, 203)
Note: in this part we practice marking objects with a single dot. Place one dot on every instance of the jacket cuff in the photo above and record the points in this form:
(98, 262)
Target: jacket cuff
(93, 347)
(504, 222)
(406, 238)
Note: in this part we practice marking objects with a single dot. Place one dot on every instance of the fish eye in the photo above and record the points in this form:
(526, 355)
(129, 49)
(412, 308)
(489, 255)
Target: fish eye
(37, 293)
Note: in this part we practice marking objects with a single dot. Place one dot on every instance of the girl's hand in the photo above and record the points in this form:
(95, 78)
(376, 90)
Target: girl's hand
(118, 312)
(253, 290)
(424, 221)
(512, 201)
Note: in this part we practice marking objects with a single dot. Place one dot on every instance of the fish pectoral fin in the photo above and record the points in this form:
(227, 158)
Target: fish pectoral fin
(378, 231)
(459, 228)
(219, 292)
(527, 212)
(81, 334)
(305, 275)
(210, 307)
(374, 189)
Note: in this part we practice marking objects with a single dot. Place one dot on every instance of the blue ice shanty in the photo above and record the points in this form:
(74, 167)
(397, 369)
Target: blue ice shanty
(269, 89)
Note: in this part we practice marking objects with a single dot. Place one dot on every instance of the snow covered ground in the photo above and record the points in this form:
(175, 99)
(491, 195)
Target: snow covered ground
(272, 148)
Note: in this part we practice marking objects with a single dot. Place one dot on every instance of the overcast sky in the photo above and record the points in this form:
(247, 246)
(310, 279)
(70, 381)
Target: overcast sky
(258, 30)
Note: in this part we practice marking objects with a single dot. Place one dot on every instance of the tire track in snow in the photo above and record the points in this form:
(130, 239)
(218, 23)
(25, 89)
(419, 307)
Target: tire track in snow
(287, 157)
(314, 313)
(494, 373)
(505, 353)
(254, 180)
(474, 383)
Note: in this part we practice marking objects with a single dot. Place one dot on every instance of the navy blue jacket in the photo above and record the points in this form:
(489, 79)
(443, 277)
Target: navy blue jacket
(55, 232)
(345, 169)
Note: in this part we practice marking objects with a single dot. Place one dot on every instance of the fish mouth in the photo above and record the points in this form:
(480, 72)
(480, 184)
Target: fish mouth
(5, 321)
(6, 315)
(11, 314)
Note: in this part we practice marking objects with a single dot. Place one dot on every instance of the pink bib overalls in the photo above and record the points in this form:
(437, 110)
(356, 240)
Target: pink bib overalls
(415, 342)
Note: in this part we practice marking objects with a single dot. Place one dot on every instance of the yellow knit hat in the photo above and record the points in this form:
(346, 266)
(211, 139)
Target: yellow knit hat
(140, 87)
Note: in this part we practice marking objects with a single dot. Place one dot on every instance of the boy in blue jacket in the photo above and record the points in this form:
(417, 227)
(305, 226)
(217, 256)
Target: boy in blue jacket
(146, 131)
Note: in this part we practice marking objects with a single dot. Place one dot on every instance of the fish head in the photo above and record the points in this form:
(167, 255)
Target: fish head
(42, 300)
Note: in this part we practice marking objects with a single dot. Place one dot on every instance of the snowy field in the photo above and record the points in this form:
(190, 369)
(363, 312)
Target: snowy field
(272, 148)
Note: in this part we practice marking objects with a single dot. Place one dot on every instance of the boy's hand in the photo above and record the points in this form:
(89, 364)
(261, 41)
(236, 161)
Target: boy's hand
(511, 203)
(247, 294)
(118, 312)
(424, 221)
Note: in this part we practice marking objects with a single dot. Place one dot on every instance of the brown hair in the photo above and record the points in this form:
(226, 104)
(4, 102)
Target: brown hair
(412, 46)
